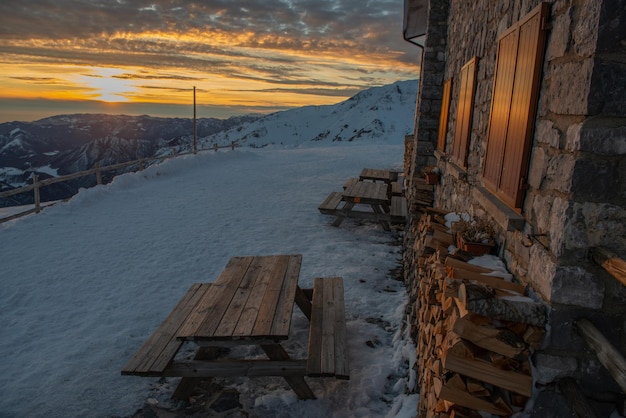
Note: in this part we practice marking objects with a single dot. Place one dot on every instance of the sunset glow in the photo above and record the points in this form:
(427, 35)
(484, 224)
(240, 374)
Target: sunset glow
(242, 57)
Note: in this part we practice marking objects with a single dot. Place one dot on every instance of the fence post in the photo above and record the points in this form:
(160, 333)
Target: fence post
(36, 192)
(141, 164)
(98, 174)
(215, 147)
(233, 145)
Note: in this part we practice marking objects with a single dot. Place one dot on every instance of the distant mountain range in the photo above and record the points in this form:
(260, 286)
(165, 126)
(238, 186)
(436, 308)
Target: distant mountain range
(65, 144)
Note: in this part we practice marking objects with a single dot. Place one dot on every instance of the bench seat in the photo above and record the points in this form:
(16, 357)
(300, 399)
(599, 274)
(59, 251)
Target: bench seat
(397, 188)
(328, 348)
(331, 204)
(158, 352)
(350, 182)
(398, 209)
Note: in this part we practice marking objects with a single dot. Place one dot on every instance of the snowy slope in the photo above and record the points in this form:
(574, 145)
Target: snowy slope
(379, 113)
(85, 282)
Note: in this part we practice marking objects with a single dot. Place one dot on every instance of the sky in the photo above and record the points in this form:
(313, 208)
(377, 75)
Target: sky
(146, 57)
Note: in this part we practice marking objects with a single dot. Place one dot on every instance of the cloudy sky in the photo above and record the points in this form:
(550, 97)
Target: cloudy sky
(243, 56)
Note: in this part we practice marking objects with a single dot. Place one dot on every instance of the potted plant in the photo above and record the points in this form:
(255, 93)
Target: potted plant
(431, 174)
(475, 236)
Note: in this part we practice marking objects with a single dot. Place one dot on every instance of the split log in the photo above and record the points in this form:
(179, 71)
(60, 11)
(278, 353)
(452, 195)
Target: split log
(465, 399)
(484, 371)
(492, 281)
(454, 263)
(478, 300)
(501, 341)
(608, 355)
(610, 262)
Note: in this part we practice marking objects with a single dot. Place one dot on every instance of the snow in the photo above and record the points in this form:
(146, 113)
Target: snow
(85, 282)
(48, 170)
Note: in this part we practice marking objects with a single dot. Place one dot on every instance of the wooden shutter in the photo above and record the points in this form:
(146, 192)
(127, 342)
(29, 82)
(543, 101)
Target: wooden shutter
(443, 117)
(513, 106)
(464, 111)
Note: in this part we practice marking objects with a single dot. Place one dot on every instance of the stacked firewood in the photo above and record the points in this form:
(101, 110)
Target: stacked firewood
(474, 331)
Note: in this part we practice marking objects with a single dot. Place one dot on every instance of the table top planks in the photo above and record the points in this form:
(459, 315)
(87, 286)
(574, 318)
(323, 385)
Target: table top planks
(252, 298)
(378, 175)
(367, 191)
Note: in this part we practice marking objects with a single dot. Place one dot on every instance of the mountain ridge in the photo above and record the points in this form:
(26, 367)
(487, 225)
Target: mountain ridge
(64, 144)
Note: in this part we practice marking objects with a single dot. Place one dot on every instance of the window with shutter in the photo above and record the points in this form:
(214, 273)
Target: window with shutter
(513, 106)
(443, 117)
(465, 106)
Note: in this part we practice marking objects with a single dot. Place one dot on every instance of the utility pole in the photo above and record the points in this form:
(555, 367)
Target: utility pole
(195, 139)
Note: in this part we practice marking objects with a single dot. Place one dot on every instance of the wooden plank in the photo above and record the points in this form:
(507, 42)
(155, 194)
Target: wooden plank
(265, 319)
(342, 364)
(489, 280)
(398, 208)
(484, 371)
(331, 203)
(159, 349)
(462, 398)
(350, 182)
(498, 340)
(314, 365)
(607, 354)
(284, 306)
(254, 307)
(376, 174)
(205, 318)
(235, 368)
(229, 317)
(327, 366)
(454, 263)
(397, 188)
(610, 262)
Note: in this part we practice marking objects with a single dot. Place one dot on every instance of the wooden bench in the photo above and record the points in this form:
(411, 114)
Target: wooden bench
(397, 189)
(350, 182)
(328, 348)
(158, 352)
(331, 204)
(398, 209)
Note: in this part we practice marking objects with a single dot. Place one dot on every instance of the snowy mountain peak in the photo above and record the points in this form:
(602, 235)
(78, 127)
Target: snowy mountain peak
(377, 114)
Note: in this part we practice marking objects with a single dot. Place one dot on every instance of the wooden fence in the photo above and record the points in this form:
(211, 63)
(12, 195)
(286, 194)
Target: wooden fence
(97, 170)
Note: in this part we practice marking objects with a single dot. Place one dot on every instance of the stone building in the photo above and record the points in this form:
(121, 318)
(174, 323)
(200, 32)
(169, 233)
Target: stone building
(522, 107)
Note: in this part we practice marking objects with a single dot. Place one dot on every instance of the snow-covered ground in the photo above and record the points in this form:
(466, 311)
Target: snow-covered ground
(85, 282)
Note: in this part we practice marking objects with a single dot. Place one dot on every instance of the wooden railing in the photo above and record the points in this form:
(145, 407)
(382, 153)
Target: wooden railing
(97, 170)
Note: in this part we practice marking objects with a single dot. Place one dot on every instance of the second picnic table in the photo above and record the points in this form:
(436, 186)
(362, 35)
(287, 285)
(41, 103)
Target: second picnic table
(378, 189)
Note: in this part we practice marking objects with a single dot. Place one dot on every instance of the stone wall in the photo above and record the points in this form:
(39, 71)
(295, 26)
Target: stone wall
(576, 195)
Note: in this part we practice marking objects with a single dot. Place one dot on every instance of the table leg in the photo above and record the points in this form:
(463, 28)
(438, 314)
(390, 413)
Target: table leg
(303, 302)
(297, 383)
(341, 215)
(187, 384)
(379, 210)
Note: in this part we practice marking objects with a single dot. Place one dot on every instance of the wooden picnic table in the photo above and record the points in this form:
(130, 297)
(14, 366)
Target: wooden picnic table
(375, 174)
(375, 195)
(250, 303)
